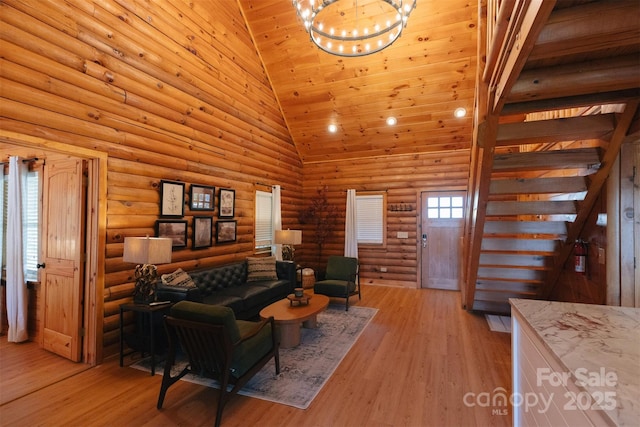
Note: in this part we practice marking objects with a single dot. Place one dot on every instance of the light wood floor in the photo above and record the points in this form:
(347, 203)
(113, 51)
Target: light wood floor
(25, 368)
(412, 366)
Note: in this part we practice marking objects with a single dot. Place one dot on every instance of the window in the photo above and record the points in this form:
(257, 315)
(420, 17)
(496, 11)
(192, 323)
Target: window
(264, 221)
(30, 223)
(445, 207)
(370, 210)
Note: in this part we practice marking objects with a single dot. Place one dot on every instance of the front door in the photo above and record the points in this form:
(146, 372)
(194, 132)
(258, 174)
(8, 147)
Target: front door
(63, 207)
(442, 230)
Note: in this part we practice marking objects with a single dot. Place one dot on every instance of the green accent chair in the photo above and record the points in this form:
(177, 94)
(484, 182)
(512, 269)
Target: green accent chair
(217, 346)
(341, 279)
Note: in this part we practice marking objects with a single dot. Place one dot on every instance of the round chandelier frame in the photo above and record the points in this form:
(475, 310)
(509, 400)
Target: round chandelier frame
(361, 28)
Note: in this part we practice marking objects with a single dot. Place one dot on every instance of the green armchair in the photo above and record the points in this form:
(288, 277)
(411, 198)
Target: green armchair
(217, 346)
(341, 279)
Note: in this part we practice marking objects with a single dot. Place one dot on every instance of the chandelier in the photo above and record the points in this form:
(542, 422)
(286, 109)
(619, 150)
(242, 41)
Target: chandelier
(354, 27)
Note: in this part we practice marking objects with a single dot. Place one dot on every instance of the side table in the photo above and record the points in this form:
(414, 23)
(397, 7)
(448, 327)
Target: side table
(148, 311)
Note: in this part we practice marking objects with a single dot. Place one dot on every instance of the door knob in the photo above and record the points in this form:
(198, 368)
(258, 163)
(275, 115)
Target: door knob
(424, 240)
(43, 265)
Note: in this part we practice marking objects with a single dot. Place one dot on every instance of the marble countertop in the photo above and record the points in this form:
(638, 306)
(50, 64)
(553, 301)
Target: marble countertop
(599, 345)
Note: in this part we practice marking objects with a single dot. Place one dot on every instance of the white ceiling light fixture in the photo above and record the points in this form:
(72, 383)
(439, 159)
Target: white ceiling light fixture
(391, 121)
(354, 27)
(332, 128)
(460, 112)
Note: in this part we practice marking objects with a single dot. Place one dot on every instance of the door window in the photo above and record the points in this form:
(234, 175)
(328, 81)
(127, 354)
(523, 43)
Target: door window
(445, 207)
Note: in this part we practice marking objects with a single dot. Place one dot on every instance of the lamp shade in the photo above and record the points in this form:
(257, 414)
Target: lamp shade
(147, 250)
(288, 237)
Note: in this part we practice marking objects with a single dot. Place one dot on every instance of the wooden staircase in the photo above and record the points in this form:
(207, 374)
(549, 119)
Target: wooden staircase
(527, 220)
(545, 141)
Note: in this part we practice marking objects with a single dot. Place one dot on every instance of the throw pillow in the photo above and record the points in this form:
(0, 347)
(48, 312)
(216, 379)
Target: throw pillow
(178, 278)
(263, 268)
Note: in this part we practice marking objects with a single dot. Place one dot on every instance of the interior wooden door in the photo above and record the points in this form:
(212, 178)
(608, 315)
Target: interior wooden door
(442, 229)
(63, 207)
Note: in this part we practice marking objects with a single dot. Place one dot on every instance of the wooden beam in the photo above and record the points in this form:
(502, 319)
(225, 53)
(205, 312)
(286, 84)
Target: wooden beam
(498, 34)
(580, 29)
(603, 75)
(535, 14)
(565, 129)
(599, 98)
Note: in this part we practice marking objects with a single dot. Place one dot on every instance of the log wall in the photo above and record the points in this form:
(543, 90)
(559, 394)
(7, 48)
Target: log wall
(403, 178)
(169, 93)
(173, 93)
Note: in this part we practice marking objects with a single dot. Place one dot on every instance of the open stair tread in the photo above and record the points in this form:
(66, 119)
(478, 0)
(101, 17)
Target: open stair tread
(545, 246)
(570, 184)
(514, 260)
(495, 307)
(579, 158)
(555, 130)
(507, 285)
(523, 274)
(553, 228)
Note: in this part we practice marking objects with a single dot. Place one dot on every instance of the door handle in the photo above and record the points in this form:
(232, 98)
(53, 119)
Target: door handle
(424, 240)
(43, 265)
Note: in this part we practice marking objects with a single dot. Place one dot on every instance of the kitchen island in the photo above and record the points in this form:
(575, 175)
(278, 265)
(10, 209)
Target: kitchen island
(575, 364)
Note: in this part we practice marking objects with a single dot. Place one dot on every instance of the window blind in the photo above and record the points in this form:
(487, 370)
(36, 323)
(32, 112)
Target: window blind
(263, 226)
(370, 214)
(30, 223)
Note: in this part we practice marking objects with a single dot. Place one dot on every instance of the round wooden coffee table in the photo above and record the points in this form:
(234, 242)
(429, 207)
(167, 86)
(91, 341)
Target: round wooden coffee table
(290, 318)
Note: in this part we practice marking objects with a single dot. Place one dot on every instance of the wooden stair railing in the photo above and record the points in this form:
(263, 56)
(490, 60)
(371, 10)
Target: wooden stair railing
(517, 25)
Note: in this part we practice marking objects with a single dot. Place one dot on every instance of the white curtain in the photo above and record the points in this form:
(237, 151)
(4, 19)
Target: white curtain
(16, 286)
(276, 221)
(1, 237)
(351, 226)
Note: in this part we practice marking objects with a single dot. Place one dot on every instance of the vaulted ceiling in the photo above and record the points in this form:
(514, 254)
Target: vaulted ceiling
(420, 79)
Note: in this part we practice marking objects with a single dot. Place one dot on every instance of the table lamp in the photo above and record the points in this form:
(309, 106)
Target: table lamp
(288, 238)
(146, 252)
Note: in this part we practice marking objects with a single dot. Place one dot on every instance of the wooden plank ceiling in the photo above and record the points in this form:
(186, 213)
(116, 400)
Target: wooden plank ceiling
(421, 79)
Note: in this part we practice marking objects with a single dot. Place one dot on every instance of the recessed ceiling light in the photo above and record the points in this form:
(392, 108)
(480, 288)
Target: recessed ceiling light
(460, 112)
(332, 128)
(391, 121)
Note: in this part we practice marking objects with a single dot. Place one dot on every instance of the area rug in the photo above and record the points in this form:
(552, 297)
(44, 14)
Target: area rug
(499, 323)
(303, 369)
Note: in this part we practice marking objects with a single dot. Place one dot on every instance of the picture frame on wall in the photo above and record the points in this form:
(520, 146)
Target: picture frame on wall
(202, 198)
(202, 232)
(226, 202)
(171, 199)
(226, 231)
(174, 229)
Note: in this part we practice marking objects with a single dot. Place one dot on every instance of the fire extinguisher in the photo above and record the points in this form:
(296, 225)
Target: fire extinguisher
(580, 253)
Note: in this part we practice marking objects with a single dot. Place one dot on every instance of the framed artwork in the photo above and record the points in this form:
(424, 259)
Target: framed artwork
(227, 200)
(176, 230)
(226, 231)
(202, 232)
(202, 198)
(171, 199)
